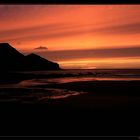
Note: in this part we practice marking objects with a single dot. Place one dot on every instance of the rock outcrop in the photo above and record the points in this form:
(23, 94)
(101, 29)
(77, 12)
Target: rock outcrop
(13, 60)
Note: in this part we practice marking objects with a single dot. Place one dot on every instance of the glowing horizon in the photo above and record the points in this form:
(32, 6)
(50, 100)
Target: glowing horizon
(69, 32)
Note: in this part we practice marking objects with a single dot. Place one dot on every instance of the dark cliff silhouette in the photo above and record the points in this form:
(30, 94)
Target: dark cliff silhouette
(40, 63)
(12, 60)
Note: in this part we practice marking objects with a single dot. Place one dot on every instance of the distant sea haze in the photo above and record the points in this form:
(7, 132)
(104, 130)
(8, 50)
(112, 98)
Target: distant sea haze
(117, 73)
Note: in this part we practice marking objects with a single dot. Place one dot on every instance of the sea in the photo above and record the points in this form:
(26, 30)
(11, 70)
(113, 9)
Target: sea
(46, 85)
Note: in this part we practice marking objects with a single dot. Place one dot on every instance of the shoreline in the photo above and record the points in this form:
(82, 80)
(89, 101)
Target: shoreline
(99, 95)
(93, 113)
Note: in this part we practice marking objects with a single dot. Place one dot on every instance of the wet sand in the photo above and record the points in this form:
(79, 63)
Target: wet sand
(85, 95)
(102, 108)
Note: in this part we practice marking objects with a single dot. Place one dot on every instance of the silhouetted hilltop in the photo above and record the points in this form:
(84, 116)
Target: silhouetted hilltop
(12, 60)
(40, 63)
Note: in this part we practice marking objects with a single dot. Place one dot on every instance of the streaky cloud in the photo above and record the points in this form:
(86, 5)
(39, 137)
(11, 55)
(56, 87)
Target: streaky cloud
(53, 31)
(130, 51)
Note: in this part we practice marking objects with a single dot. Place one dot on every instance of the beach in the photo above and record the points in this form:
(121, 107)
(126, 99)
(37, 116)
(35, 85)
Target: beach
(77, 89)
(60, 103)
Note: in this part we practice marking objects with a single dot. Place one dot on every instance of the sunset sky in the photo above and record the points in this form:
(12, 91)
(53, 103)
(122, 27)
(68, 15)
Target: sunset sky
(75, 36)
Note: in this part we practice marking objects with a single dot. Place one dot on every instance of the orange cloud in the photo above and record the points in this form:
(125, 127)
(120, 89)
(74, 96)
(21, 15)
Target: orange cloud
(73, 27)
